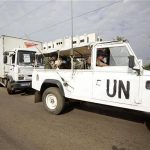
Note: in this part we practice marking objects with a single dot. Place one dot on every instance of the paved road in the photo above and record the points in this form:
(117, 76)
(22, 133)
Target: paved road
(27, 126)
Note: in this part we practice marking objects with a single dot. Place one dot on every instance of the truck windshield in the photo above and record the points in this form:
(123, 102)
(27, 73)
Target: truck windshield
(26, 57)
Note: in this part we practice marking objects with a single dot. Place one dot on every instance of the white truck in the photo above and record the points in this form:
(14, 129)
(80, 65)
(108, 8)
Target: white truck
(121, 83)
(17, 58)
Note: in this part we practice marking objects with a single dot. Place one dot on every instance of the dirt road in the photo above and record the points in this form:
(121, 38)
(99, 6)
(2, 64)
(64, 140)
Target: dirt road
(25, 125)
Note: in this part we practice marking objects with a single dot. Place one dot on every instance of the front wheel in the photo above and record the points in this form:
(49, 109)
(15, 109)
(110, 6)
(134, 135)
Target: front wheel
(53, 101)
(10, 89)
(147, 123)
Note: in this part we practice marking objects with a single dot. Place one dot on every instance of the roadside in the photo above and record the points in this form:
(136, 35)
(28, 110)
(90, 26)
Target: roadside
(25, 125)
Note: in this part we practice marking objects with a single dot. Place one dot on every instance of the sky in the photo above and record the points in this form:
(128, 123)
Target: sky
(47, 20)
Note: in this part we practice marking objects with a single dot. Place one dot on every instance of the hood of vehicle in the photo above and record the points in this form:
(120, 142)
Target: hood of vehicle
(26, 70)
(146, 73)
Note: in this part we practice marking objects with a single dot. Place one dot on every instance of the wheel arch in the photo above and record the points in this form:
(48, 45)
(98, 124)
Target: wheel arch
(9, 78)
(46, 84)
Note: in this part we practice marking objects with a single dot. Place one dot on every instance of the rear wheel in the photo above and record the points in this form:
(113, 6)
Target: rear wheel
(53, 100)
(147, 123)
(10, 89)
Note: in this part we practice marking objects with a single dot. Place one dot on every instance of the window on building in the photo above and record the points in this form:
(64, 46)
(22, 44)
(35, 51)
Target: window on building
(81, 41)
(74, 42)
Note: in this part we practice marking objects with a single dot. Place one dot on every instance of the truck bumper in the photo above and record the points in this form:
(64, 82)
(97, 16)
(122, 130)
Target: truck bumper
(20, 85)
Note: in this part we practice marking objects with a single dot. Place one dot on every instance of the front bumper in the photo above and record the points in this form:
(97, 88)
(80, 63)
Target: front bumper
(20, 85)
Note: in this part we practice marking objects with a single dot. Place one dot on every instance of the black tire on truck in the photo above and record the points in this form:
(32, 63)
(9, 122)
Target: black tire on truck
(147, 123)
(10, 89)
(53, 100)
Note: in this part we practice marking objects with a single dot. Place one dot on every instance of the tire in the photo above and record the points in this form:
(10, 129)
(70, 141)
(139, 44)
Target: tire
(10, 90)
(53, 100)
(147, 123)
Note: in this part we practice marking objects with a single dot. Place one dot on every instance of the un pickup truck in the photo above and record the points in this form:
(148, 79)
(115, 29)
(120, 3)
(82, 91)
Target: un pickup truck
(122, 82)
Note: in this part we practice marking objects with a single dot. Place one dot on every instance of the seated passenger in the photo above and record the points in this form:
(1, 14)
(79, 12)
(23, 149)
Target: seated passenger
(100, 58)
(65, 63)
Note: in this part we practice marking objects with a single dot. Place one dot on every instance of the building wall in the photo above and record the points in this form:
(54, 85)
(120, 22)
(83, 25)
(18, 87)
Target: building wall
(65, 43)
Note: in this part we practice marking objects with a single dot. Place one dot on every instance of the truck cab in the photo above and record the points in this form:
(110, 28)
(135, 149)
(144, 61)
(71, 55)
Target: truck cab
(18, 66)
(121, 82)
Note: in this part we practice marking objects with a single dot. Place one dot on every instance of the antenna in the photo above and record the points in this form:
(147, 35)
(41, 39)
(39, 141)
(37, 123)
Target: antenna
(71, 52)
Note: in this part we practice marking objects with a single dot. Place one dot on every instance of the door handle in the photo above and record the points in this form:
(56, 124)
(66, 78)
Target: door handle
(98, 82)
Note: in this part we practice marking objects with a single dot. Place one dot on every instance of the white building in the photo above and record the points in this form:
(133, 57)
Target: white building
(65, 43)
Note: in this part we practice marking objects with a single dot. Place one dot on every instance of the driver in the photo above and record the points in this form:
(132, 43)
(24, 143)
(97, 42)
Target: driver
(100, 61)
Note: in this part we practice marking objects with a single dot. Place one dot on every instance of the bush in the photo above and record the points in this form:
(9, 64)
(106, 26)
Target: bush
(147, 67)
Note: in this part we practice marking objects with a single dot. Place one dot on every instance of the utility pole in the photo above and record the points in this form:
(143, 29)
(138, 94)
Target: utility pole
(71, 52)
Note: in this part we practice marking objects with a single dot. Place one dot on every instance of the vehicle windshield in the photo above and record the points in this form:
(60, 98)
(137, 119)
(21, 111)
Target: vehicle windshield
(26, 57)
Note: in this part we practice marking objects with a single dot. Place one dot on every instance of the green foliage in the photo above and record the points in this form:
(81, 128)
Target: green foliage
(47, 63)
(147, 67)
(120, 38)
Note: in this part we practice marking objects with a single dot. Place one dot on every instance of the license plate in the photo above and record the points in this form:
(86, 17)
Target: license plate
(25, 84)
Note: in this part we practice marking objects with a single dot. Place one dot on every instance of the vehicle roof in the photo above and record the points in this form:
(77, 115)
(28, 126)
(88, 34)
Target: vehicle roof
(83, 50)
(108, 42)
(24, 49)
(20, 38)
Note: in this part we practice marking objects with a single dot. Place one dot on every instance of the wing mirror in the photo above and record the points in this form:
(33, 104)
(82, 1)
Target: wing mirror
(6, 53)
(5, 59)
(131, 62)
(132, 65)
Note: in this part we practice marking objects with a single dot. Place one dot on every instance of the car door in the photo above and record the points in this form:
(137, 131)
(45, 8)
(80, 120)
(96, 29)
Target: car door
(11, 66)
(116, 82)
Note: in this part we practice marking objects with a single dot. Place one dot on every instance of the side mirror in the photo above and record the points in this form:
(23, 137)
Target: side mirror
(131, 62)
(5, 59)
(6, 53)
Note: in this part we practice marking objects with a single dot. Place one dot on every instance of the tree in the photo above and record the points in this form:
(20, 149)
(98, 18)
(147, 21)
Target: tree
(147, 67)
(120, 38)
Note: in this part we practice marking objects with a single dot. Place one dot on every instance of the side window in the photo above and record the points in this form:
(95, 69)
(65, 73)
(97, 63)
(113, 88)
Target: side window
(102, 57)
(118, 56)
(13, 59)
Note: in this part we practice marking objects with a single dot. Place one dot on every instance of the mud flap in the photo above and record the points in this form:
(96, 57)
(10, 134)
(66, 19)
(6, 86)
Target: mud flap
(38, 97)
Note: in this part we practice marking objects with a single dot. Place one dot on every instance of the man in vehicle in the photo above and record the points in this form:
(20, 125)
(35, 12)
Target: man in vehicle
(100, 61)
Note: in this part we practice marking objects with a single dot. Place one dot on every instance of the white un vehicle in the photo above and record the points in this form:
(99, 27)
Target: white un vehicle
(122, 82)
(17, 60)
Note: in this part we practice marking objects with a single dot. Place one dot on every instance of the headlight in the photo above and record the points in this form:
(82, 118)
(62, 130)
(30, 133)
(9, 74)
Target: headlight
(20, 77)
